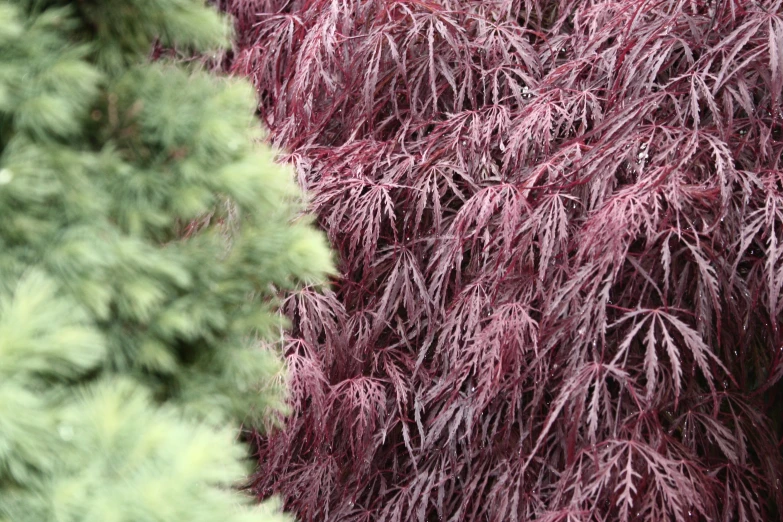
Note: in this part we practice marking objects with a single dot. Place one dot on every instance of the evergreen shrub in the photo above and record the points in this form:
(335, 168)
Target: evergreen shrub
(129, 349)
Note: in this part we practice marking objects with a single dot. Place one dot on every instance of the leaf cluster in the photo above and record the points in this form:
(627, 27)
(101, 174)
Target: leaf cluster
(559, 226)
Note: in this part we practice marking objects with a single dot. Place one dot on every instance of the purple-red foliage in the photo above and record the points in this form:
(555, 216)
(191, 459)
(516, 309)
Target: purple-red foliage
(560, 226)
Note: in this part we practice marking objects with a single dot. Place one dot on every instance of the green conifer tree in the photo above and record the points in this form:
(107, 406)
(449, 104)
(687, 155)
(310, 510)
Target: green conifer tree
(128, 344)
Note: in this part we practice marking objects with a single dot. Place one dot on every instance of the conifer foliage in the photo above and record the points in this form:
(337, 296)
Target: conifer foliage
(128, 352)
(559, 225)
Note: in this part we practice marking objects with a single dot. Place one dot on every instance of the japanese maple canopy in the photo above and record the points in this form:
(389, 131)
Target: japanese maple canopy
(559, 226)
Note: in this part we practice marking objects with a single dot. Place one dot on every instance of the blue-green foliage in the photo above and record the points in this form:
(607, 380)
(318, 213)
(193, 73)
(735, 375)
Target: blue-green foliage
(128, 344)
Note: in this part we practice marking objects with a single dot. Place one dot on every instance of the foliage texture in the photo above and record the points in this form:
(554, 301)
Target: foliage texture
(560, 227)
(127, 342)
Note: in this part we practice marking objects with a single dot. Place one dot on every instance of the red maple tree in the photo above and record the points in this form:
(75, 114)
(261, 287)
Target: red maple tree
(560, 230)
